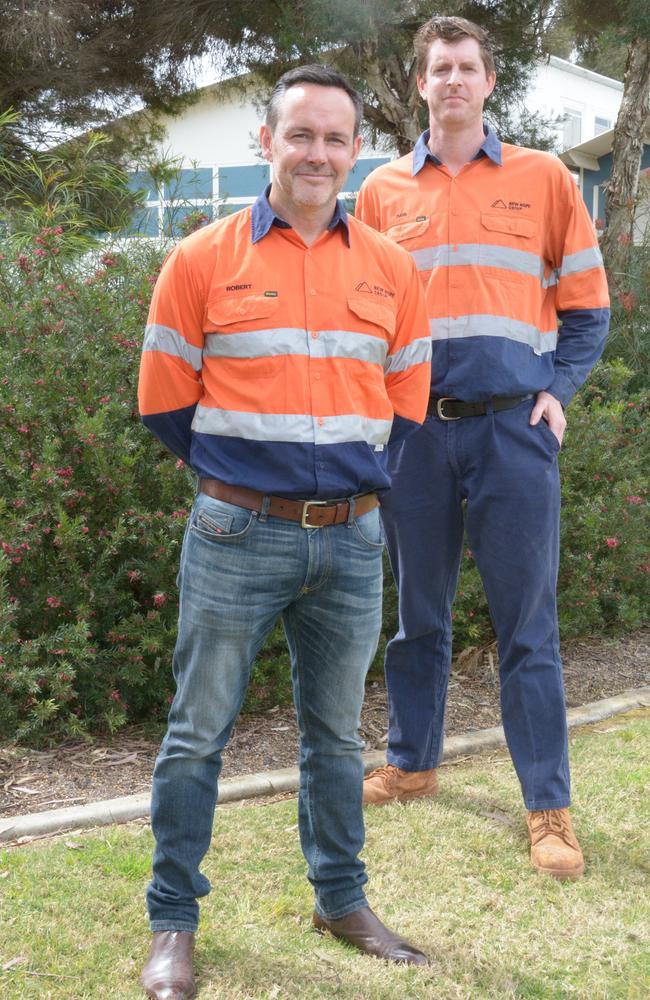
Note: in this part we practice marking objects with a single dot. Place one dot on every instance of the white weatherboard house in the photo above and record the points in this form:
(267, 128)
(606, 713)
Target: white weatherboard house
(221, 170)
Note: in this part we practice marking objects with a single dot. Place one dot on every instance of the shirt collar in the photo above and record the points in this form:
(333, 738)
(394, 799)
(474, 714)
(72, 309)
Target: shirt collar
(490, 147)
(263, 218)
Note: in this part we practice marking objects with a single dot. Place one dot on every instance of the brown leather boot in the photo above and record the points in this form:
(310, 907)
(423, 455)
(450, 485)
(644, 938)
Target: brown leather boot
(392, 784)
(168, 973)
(365, 931)
(554, 848)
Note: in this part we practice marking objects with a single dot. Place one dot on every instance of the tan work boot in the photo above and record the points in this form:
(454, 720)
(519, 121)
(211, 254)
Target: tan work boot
(390, 784)
(554, 848)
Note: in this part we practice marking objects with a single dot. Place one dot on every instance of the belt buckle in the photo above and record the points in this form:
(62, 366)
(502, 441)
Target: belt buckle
(439, 402)
(305, 512)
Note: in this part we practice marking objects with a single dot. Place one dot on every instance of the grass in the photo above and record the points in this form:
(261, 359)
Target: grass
(451, 874)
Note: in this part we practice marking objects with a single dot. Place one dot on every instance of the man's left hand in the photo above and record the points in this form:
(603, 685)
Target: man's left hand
(550, 409)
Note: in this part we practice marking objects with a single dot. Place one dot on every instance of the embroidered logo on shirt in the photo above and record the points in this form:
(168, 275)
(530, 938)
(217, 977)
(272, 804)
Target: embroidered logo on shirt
(512, 206)
(384, 293)
(271, 295)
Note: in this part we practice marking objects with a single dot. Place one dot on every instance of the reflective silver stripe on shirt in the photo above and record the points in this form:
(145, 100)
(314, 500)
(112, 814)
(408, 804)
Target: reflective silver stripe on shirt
(282, 341)
(296, 428)
(168, 341)
(479, 255)
(493, 326)
(583, 260)
(416, 353)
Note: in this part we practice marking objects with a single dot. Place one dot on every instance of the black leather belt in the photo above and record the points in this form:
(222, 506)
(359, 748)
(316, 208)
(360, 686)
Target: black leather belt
(310, 513)
(450, 408)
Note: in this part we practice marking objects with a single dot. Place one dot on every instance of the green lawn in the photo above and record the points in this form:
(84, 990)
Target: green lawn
(451, 873)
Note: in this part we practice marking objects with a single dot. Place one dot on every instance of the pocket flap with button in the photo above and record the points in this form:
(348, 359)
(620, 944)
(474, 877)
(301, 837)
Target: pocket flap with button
(511, 225)
(406, 231)
(377, 313)
(241, 309)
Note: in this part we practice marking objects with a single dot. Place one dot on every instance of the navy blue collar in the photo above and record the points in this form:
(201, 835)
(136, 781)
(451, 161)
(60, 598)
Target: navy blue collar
(263, 217)
(491, 147)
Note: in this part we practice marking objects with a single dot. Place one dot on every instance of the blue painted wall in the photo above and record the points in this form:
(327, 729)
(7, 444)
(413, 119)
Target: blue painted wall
(595, 178)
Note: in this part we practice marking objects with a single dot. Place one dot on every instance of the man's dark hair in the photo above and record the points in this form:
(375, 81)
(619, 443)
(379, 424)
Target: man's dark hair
(452, 30)
(322, 76)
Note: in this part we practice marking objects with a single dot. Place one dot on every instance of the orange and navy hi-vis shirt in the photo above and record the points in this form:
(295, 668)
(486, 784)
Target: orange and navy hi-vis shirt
(505, 249)
(281, 367)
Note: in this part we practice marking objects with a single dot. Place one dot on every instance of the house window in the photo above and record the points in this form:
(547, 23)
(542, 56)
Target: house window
(601, 125)
(214, 193)
(243, 182)
(571, 128)
(189, 185)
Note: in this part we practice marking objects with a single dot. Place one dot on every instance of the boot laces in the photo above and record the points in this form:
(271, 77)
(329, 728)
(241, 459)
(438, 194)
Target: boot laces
(386, 772)
(545, 822)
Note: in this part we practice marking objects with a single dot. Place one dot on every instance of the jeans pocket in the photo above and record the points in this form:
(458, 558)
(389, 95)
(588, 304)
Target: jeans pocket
(218, 521)
(368, 529)
(546, 432)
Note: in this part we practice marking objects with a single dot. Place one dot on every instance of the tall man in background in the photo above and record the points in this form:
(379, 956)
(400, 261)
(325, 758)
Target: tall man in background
(506, 253)
(286, 346)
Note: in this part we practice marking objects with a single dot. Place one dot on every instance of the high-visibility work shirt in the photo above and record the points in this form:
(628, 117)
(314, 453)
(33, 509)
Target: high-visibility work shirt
(504, 249)
(284, 367)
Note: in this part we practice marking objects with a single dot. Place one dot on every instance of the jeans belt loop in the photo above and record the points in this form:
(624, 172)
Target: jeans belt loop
(352, 504)
(264, 511)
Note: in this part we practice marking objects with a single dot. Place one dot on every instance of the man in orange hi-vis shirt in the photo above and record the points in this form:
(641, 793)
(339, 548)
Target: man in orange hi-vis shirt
(287, 346)
(506, 253)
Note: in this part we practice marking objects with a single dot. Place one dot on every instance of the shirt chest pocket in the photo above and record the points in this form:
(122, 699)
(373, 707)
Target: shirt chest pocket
(408, 234)
(509, 244)
(378, 322)
(241, 334)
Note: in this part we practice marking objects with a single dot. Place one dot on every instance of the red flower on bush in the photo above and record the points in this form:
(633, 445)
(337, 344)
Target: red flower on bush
(612, 543)
(53, 602)
(627, 300)
(159, 599)
(635, 500)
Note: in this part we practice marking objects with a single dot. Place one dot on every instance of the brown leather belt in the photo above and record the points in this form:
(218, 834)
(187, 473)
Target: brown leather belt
(310, 513)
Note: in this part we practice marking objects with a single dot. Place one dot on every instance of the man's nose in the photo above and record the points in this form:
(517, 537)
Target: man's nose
(317, 150)
(454, 77)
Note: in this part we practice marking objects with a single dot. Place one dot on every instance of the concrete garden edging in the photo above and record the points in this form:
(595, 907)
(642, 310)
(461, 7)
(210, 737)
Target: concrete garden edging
(265, 783)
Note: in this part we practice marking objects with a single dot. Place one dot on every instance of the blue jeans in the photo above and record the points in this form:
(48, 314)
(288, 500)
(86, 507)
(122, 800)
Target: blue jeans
(497, 478)
(239, 572)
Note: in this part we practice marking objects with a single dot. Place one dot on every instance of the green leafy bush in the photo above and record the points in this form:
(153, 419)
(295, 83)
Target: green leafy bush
(93, 509)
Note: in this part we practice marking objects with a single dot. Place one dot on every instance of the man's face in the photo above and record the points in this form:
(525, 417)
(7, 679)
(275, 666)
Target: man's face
(312, 148)
(456, 84)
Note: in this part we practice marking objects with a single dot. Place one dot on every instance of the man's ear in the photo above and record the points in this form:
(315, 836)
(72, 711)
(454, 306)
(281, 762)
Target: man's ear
(266, 138)
(356, 147)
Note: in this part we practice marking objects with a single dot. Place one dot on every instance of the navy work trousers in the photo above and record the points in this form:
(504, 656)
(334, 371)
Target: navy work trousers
(496, 477)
